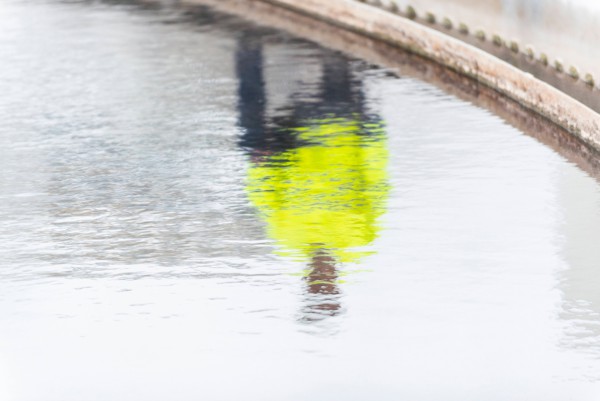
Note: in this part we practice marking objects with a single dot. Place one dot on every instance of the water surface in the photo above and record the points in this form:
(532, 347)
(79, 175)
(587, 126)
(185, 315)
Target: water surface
(195, 207)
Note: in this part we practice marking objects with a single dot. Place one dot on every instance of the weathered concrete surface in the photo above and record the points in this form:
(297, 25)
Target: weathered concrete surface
(561, 29)
(555, 40)
(518, 85)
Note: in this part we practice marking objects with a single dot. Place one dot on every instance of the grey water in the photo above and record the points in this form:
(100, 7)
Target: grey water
(196, 207)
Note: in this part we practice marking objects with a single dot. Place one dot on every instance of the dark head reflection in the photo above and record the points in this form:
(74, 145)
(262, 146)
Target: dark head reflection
(323, 293)
(320, 183)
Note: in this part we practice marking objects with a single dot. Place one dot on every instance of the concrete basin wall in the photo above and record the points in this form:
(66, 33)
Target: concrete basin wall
(555, 40)
(563, 30)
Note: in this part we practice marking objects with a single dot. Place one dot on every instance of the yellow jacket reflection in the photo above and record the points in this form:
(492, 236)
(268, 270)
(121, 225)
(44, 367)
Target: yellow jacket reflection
(326, 194)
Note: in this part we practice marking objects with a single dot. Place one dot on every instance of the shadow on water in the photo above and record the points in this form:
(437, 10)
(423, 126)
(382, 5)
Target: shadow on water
(317, 171)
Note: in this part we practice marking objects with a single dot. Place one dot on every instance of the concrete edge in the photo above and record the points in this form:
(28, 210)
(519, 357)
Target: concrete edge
(520, 86)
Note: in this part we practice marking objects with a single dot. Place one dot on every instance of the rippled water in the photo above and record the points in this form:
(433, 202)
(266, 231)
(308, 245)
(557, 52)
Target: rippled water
(194, 207)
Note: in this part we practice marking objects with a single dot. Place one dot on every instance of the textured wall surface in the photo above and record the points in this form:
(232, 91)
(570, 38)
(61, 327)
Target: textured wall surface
(561, 29)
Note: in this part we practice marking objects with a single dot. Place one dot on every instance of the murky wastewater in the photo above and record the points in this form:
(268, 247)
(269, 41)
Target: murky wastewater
(195, 207)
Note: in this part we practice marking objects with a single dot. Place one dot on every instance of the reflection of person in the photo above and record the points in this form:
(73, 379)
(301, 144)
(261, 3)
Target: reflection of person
(319, 183)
